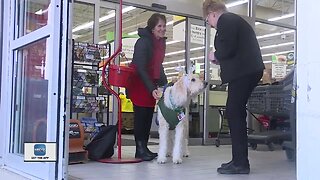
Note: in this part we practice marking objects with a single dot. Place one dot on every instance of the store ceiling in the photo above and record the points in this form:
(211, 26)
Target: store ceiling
(272, 39)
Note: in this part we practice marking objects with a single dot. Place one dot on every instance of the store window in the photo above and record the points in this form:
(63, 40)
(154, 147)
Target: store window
(276, 11)
(175, 58)
(237, 6)
(30, 95)
(107, 25)
(31, 15)
(83, 22)
(277, 46)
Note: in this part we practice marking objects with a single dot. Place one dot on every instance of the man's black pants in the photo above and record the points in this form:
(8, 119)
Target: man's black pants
(239, 92)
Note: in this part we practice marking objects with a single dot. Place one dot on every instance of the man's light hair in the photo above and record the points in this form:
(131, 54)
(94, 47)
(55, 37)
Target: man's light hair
(213, 6)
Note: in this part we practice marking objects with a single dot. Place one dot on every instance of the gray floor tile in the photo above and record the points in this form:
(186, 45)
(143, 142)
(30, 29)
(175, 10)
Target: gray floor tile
(202, 163)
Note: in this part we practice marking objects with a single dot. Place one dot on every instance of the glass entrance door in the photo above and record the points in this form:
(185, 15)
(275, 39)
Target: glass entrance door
(33, 101)
(196, 63)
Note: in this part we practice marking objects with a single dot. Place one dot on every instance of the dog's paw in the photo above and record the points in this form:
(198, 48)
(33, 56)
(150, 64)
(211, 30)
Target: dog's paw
(161, 160)
(177, 160)
(186, 154)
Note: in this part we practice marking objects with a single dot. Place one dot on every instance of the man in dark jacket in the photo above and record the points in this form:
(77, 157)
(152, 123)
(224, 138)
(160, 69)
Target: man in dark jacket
(238, 53)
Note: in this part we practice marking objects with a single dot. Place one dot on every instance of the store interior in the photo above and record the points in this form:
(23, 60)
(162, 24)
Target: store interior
(93, 30)
(273, 39)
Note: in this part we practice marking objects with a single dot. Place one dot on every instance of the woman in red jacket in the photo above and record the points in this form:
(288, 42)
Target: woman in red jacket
(149, 53)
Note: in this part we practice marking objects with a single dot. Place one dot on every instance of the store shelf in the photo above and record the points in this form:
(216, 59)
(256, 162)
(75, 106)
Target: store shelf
(88, 94)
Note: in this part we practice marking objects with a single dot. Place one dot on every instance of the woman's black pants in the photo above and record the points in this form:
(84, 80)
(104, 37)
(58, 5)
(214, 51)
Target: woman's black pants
(142, 122)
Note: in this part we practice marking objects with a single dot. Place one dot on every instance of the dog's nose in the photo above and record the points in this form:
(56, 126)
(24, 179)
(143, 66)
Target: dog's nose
(205, 83)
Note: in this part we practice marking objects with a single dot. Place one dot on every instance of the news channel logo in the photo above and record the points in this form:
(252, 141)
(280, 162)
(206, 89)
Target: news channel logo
(39, 149)
(40, 152)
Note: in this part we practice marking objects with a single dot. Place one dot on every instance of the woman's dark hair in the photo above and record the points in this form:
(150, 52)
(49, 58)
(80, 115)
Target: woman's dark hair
(154, 20)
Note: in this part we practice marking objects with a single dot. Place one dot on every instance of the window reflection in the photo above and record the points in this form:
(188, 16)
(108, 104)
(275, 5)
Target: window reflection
(83, 21)
(276, 43)
(31, 15)
(31, 95)
(276, 11)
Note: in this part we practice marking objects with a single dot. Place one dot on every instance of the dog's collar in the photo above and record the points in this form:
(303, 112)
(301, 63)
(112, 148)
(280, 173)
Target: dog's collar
(175, 108)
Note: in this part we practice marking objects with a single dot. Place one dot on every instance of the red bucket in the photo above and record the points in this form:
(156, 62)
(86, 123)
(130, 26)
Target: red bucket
(119, 75)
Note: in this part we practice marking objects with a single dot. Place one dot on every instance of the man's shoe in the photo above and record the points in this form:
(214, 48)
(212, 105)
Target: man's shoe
(223, 165)
(232, 169)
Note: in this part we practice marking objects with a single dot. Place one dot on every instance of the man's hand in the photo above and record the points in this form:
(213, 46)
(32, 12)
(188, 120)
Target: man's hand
(213, 58)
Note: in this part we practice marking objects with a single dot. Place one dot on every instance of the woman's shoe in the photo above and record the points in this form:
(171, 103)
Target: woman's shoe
(150, 153)
(142, 151)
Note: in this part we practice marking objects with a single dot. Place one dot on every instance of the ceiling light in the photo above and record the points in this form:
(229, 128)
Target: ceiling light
(276, 53)
(182, 51)
(175, 52)
(169, 68)
(182, 60)
(83, 26)
(136, 32)
(103, 42)
(197, 48)
(171, 62)
(40, 11)
(196, 58)
(278, 18)
(282, 17)
(133, 33)
(229, 5)
(104, 18)
(275, 34)
(171, 42)
(175, 67)
(277, 45)
(173, 73)
(169, 23)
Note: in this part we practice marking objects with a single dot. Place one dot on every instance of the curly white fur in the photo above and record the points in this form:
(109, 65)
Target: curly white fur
(176, 141)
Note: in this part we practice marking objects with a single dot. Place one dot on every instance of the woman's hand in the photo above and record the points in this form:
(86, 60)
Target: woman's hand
(156, 94)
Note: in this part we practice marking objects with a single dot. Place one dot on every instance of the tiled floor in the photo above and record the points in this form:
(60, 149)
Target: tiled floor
(202, 164)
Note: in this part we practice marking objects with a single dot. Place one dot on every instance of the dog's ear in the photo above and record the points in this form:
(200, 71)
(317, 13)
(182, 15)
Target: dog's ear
(185, 80)
(180, 93)
(191, 69)
(180, 86)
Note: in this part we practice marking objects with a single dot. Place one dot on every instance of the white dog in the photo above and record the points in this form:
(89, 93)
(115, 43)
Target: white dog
(171, 117)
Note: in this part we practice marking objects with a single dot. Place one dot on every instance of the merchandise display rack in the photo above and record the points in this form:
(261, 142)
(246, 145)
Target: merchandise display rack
(86, 94)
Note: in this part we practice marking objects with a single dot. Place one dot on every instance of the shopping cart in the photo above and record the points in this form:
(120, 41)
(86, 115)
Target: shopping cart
(273, 101)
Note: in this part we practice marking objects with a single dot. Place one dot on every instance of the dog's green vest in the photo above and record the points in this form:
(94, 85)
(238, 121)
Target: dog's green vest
(171, 116)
